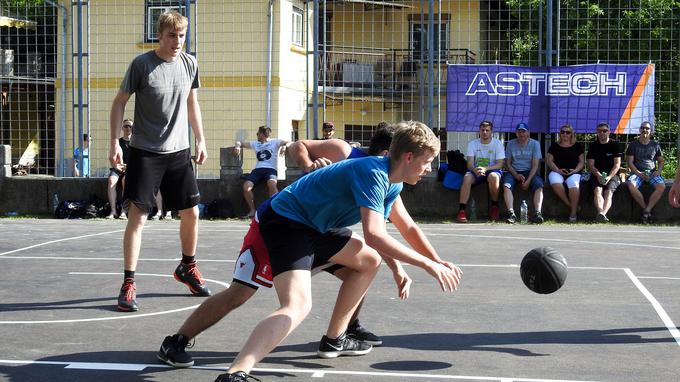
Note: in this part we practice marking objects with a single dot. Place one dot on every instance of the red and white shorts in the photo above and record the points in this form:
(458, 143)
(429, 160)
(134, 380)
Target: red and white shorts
(253, 267)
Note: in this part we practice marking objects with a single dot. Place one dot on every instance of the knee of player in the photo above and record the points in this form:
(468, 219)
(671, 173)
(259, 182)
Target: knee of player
(369, 259)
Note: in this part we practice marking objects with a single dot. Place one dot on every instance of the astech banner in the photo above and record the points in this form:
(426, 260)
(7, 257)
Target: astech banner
(548, 97)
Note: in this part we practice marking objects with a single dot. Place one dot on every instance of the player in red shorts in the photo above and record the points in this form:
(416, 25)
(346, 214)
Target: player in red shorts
(252, 268)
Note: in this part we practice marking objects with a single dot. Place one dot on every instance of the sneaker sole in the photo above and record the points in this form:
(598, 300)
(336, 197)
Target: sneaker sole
(191, 289)
(126, 309)
(336, 354)
(178, 365)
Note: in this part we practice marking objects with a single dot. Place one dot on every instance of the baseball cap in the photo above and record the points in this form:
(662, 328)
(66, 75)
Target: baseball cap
(522, 126)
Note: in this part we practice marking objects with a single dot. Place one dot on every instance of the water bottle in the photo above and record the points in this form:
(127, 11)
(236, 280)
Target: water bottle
(523, 212)
(55, 202)
(473, 210)
(603, 174)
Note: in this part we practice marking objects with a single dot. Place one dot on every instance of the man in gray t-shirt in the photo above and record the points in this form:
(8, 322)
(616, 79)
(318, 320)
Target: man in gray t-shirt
(643, 156)
(165, 82)
(522, 160)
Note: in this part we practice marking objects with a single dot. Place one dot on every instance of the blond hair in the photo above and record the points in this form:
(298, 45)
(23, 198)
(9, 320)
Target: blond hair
(572, 138)
(414, 137)
(172, 20)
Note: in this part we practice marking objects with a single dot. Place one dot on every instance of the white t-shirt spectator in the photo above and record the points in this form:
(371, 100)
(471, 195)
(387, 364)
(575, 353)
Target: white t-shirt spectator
(486, 154)
(267, 153)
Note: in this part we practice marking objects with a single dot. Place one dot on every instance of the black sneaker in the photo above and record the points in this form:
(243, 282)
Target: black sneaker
(172, 351)
(358, 332)
(646, 217)
(127, 298)
(512, 218)
(189, 275)
(601, 218)
(239, 376)
(538, 218)
(343, 345)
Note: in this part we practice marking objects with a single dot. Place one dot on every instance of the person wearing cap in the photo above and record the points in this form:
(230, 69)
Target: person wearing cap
(328, 130)
(522, 159)
(485, 157)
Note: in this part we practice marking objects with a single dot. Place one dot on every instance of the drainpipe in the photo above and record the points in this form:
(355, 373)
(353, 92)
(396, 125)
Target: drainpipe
(62, 88)
(270, 43)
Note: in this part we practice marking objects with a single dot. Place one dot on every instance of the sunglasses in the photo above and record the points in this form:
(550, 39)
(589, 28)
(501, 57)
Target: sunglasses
(127, 126)
(565, 132)
(603, 131)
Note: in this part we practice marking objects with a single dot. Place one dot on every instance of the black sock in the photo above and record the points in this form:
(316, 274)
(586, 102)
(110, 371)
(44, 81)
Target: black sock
(461, 207)
(187, 259)
(129, 275)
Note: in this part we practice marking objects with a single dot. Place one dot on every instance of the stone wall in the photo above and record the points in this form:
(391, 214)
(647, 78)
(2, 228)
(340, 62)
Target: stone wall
(428, 199)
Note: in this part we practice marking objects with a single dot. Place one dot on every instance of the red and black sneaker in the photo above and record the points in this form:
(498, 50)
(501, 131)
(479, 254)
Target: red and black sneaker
(189, 275)
(127, 298)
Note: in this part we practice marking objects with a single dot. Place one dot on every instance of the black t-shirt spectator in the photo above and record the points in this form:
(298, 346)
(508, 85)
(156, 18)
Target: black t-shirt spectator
(565, 157)
(125, 147)
(604, 154)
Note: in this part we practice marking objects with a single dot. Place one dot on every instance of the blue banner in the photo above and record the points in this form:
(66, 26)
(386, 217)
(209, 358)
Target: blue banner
(548, 97)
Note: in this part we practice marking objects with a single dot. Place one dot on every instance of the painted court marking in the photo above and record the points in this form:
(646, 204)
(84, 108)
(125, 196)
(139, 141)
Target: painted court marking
(656, 305)
(315, 373)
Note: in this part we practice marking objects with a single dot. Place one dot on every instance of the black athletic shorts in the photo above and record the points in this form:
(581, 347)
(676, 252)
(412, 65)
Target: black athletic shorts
(172, 174)
(294, 246)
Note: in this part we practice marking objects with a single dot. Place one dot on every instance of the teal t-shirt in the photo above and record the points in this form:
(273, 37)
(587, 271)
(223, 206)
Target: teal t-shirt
(331, 197)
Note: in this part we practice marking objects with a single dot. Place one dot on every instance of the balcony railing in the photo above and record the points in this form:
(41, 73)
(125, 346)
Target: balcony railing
(393, 69)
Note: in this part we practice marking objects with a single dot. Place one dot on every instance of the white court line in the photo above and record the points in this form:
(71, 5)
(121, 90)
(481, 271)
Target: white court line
(60, 240)
(119, 316)
(233, 261)
(659, 277)
(313, 372)
(524, 238)
(657, 306)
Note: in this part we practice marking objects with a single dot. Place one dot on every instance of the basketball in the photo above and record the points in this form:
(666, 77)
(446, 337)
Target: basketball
(543, 270)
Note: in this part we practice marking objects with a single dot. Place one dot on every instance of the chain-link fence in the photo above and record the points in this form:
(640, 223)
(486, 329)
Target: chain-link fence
(260, 64)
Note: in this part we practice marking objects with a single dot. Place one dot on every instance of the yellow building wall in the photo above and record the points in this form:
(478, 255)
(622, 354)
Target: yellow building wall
(231, 48)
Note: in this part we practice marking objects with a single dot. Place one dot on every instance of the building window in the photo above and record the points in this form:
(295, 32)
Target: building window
(419, 44)
(153, 11)
(298, 24)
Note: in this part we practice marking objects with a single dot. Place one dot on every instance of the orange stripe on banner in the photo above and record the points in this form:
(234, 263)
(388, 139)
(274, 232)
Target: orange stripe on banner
(632, 102)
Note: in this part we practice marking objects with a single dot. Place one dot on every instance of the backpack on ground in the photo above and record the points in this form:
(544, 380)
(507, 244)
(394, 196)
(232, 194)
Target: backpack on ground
(456, 161)
(221, 209)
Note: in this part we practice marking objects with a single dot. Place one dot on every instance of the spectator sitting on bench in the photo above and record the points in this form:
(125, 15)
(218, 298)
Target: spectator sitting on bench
(645, 161)
(485, 157)
(522, 159)
(267, 154)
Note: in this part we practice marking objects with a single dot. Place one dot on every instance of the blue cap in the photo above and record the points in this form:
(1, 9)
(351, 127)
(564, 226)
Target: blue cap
(522, 126)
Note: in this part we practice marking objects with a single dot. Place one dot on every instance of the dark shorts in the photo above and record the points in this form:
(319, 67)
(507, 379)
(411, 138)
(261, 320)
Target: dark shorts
(172, 174)
(295, 246)
(116, 173)
(509, 181)
(611, 186)
(262, 174)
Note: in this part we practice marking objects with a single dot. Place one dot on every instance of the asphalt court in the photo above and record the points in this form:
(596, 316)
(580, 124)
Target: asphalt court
(614, 320)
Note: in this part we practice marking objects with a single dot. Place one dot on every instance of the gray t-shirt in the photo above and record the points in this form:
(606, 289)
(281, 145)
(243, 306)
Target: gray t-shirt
(522, 156)
(644, 156)
(161, 89)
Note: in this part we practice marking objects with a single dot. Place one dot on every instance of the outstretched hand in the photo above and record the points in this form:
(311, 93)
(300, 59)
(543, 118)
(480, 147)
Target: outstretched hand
(447, 274)
(403, 284)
